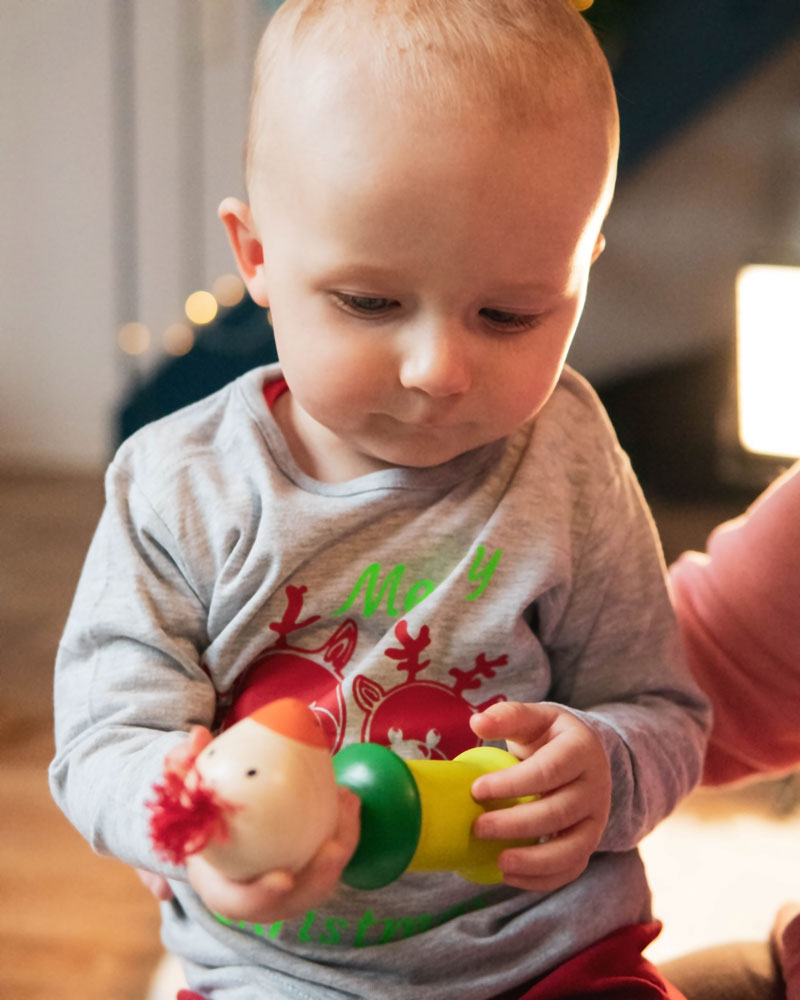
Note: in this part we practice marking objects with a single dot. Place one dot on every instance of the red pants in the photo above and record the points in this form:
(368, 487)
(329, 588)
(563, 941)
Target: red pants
(614, 967)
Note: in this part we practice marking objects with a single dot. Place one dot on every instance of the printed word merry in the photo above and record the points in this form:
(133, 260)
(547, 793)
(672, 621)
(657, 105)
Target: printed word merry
(369, 930)
(376, 590)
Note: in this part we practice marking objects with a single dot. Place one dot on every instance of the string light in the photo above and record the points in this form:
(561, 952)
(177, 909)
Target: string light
(201, 308)
(228, 290)
(178, 339)
(133, 338)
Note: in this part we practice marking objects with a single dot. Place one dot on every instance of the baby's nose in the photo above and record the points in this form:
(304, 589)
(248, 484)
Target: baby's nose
(436, 361)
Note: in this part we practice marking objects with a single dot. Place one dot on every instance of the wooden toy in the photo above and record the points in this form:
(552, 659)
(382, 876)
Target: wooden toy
(262, 796)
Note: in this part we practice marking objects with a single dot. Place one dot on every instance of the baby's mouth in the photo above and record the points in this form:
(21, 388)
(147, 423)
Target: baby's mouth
(442, 419)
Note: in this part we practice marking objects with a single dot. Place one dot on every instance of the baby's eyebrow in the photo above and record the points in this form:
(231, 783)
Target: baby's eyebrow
(352, 272)
(373, 272)
(532, 295)
(542, 288)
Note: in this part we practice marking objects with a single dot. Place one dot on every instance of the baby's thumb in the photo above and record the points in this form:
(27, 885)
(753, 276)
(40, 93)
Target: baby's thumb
(523, 725)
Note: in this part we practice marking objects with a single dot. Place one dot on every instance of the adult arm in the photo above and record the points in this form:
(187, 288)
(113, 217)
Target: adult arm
(738, 607)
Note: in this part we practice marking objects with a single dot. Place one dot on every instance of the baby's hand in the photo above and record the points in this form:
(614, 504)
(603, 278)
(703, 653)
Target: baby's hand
(280, 895)
(563, 761)
(178, 761)
(181, 758)
(157, 884)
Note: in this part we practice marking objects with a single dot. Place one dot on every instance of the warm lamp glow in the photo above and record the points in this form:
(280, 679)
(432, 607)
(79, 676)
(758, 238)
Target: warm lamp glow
(768, 358)
(201, 308)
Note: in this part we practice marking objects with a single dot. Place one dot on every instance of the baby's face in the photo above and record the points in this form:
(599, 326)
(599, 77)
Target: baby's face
(425, 279)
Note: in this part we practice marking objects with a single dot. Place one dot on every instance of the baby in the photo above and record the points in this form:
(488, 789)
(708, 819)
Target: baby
(419, 522)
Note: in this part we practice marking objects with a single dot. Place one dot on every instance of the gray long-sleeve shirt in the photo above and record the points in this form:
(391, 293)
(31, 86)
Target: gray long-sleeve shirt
(396, 604)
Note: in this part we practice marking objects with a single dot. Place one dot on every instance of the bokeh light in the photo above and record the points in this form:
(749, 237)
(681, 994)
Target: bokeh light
(178, 339)
(228, 290)
(201, 308)
(134, 338)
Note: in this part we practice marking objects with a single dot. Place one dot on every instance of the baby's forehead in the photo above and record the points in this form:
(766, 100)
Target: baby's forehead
(511, 60)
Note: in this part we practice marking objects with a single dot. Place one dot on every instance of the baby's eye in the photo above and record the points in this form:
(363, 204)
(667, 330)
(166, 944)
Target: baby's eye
(364, 305)
(503, 320)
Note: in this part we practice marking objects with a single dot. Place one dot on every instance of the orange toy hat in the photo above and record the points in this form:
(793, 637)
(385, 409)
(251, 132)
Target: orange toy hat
(292, 718)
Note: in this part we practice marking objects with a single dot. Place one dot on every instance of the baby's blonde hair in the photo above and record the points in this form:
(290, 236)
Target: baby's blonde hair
(515, 58)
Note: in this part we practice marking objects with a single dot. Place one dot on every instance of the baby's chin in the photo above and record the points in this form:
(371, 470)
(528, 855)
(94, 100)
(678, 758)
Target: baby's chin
(421, 454)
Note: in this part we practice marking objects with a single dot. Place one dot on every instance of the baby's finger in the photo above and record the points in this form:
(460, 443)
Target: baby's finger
(321, 875)
(543, 817)
(544, 867)
(317, 880)
(260, 900)
(560, 761)
(157, 884)
(348, 827)
(524, 723)
(180, 758)
(551, 767)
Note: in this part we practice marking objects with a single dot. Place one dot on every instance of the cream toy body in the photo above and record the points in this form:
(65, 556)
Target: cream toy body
(260, 796)
(263, 796)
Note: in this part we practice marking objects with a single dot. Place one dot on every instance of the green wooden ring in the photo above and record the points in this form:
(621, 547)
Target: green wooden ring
(391, 813)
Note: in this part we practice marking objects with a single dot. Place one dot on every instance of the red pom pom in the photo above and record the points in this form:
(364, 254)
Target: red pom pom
(183, 820)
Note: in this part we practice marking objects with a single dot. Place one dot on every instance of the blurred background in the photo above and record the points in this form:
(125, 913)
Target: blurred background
(122, 129)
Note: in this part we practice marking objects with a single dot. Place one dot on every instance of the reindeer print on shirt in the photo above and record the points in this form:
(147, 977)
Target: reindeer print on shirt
(418, 717)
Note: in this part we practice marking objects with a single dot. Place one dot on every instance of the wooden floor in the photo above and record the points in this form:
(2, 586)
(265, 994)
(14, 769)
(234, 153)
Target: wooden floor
(73, 924)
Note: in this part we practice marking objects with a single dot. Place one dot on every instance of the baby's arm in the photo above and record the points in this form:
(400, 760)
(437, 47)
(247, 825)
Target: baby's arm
(129, 681)
(562, 761)
(133, 671)
(620, 739)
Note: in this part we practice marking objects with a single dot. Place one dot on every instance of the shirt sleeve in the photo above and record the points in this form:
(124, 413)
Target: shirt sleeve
(618, 664)
(739, 611)
(128, 679)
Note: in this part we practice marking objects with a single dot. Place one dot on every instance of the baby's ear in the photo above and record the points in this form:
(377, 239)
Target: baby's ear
(599, 246)
(247, 250)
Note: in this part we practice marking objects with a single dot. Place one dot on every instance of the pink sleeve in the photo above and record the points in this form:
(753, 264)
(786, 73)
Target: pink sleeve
(789, 955)
(739, 611)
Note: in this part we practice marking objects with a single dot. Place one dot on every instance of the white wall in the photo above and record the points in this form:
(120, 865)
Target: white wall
(688, 218)
(69, 275)
(59, 369)
(194, 60)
